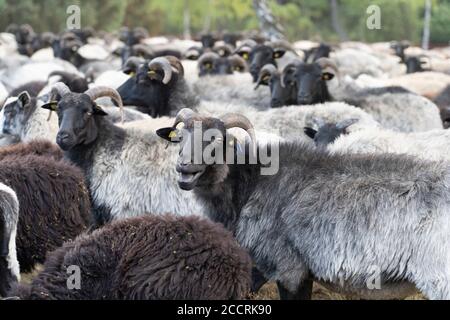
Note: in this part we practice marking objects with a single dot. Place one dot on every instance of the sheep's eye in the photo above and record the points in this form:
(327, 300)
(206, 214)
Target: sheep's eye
(89, 113)
(208, 65)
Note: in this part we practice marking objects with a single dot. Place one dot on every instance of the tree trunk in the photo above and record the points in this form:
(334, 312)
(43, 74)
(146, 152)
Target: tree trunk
(335, 21)
(186, 21)
(426, 26)
(267, 22)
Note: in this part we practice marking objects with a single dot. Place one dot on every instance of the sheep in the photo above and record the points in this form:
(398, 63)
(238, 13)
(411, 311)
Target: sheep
(280, 95)
(54, 203)
(236, 89)
(393, 107)
(158, 88)
(329, 218)
(268, 53)
(9, 216)
(211, 63)
(23, 117)
(443, 103)
(430, 145)
(428, 83)
(116, 161)
(24, 120)
(147, 258)
(37, 147)
(284, 122)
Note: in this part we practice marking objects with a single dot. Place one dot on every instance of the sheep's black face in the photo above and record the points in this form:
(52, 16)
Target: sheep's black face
(202, 152)
(16, 113)
(281, 96)
(414, 64)
(310, 82)
(76, 116)
(221, 66)
(259, 57)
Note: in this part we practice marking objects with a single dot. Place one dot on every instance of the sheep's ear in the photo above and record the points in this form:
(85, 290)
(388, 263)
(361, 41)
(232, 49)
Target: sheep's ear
(327, 76)
(170, 134)
(278, 53)
(24, 98)
(310, 132)
(99, 111)
(52, 105)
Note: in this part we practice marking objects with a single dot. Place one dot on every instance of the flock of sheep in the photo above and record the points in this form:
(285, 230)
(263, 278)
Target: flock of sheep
(88, 180)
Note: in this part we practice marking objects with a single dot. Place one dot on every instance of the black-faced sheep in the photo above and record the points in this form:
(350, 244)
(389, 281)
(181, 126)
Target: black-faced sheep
(338, 219)
(147, 258)
(117, 161)
(158, 88)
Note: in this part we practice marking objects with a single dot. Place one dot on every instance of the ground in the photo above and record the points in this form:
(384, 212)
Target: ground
(267, 292)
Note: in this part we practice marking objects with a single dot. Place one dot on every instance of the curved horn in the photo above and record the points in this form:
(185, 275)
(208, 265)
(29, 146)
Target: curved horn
(101, 91)
(59, 89)
(176, 64)
(183, 115)
(161, 63)
(208, 56)
(327, 63)
(132, 63)
(289, 66)
(141, 48)
(237, 120)
(237, 61)
(344, 124)
(268, 69)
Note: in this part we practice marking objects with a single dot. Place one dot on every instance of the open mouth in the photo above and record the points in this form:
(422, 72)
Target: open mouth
(188, 181)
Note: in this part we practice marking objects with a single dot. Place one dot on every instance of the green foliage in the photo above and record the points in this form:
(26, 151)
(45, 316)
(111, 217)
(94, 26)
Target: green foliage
(302, 19)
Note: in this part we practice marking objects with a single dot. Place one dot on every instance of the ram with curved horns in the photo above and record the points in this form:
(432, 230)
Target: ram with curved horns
(158, 88)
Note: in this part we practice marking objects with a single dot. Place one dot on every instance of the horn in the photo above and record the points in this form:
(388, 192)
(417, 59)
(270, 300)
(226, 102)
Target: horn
(268, 69)
(141, 48)
(161, 63)
(101, 91)
(237, 120)
(208, 56)
(291, 65)
(176, 64)
(327, 63)
(133, 63)
(60, 89)
(237, 61)
(346, 123)
(184, 115)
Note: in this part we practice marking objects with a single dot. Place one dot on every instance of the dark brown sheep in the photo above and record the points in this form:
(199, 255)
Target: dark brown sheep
(54, 203)
(34, 147)
(150, 257)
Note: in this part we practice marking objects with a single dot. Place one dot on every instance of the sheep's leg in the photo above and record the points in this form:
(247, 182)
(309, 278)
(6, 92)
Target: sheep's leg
(258, 280)
(304, 291)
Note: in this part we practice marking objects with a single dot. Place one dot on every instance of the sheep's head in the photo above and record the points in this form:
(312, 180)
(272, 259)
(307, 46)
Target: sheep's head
(17, 111)
(415, 64)
(310, 79)
(327, 133)
(151, 83)
(211, 63)
(280, 95)
(78, 114)
(204, 146)
(399, 48)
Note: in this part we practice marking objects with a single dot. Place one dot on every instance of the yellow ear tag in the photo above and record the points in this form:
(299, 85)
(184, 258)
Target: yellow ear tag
(54, 105)
(172, 134)
(245, 56)
(326, 76)
(266, 78)
(132, 74)
(277, 55)
(151, 72)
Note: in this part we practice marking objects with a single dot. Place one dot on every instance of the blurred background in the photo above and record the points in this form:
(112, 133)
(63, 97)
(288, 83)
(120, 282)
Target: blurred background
(319, 20)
